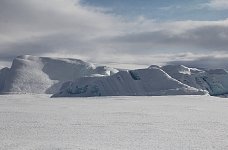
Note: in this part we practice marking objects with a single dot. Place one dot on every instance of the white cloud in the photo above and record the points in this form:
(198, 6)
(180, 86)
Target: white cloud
(218, 4)
(41, 26)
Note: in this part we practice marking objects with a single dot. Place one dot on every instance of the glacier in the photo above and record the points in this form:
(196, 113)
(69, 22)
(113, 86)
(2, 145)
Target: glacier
(141, 82)
(31, 74)
(74, 77)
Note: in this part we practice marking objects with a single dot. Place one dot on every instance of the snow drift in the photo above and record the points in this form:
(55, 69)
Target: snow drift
(142, 82)
(30, 74)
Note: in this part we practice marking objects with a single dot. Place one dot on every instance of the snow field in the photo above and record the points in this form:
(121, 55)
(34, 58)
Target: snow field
(106, 123)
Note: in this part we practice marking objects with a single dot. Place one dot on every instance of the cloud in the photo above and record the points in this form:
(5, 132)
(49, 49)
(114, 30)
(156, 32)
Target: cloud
(179, 36)
(218, 4)
(39, 27)
(208, 61)
(66, 28)
(198, 60)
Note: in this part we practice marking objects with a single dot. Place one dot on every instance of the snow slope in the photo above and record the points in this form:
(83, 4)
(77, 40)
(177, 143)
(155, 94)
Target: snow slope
(34, 122)
(139, 82)
(30, 74)
(214, 81)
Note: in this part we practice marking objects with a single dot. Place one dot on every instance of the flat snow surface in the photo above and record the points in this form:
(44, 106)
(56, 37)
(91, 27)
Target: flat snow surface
(174, 122)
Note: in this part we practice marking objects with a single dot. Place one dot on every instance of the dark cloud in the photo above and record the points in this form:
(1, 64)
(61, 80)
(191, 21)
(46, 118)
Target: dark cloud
(202, 38)
(209, 62)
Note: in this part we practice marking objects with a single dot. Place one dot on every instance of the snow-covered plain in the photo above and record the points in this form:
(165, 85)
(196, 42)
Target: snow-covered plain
(172, 122)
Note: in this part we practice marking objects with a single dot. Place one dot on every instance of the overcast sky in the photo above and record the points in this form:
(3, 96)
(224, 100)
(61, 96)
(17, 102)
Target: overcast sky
(116, 32)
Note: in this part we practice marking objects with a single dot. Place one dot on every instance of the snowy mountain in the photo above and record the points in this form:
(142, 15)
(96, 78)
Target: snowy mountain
(214, 81)
(142, 82)
(30, 74)
(74, 77)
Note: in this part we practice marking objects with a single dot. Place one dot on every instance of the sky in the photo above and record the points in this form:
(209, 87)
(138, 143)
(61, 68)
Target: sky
(119, 33)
